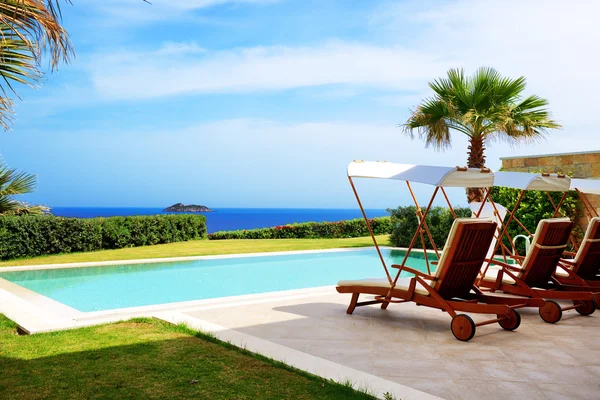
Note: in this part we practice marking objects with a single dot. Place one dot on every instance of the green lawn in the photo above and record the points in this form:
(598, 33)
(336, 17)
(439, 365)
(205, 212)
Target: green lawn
(146, 359)
(201, 248)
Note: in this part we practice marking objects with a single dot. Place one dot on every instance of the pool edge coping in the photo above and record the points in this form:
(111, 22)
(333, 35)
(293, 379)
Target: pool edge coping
(187, 258)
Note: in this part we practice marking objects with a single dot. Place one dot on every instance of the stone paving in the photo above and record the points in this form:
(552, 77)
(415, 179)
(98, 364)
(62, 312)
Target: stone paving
(414, 346)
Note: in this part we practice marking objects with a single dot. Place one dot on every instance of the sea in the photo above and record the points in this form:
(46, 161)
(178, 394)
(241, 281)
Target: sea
(227, 219)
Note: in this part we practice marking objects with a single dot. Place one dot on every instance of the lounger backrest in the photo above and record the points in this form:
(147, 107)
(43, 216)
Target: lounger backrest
(496, 212)
(549, 243)
(463, 255)
(587, 260)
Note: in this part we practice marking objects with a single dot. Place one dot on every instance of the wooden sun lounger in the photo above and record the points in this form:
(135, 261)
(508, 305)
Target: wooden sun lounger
(583, 269)
(452, 288)
(534, 278)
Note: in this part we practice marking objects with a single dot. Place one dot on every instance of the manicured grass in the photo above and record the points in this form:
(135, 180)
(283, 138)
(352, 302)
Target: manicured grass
(201, 248)
(146, 359)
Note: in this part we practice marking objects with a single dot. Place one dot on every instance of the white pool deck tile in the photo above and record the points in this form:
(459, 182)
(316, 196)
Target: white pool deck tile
(413, 346)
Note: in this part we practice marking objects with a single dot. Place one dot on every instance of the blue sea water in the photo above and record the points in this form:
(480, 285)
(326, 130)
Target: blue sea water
(226, 219)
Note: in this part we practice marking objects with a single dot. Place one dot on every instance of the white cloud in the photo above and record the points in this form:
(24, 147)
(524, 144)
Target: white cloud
(129, 75)
(127, 12)
(178, 48)
(550, 42)
(196, 4)
(552, 45)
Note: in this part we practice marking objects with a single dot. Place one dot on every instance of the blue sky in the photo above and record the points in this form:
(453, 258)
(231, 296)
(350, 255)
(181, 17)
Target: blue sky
(262, 103)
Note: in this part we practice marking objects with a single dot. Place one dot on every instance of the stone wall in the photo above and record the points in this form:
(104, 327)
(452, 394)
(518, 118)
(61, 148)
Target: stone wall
(578, 165)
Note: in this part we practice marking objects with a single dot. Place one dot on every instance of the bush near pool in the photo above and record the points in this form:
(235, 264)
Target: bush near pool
(30, 236)
(404, 223)
(311, 230)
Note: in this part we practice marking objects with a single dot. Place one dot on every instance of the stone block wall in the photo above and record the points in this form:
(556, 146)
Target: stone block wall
(579, 165)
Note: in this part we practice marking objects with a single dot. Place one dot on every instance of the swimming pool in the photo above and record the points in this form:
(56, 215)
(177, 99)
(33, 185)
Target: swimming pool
(118, 286)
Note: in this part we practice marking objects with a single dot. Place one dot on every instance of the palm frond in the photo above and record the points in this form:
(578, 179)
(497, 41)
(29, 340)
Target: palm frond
(28, 30)
(8, 205)
(486, 105)
(21, 183)
(37, 23)
(17, 63)
(430, 122)
(13, 182)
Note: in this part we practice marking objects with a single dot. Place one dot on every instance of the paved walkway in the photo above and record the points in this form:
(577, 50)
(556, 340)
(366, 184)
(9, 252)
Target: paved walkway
(414, 346)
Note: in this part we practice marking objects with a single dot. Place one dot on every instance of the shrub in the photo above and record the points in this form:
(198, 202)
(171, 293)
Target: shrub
(311, 230)
(439, 220)
(29, 236)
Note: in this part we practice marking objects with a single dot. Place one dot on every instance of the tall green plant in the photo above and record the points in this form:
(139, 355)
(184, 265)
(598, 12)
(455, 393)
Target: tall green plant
(484, 107)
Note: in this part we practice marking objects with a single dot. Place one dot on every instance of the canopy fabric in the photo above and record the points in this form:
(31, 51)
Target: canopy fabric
(588, 186)
(530, 181)
(431, 175)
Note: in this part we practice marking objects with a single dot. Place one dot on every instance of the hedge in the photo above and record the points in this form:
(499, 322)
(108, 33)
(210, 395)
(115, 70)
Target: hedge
(30, 236)
(311, 230)
(439, 220)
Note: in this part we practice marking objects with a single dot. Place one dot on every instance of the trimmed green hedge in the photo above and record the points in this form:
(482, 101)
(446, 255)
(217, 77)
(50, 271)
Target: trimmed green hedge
(30, 236)
(311, 230)
(439, 220)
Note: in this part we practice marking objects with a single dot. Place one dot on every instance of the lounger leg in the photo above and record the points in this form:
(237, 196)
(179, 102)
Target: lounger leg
(353, 302)
(385, 304)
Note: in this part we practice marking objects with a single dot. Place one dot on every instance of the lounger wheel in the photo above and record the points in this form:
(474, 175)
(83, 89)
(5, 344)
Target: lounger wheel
(585, 307)
(512, 321)
(463, 327)
(551, 312)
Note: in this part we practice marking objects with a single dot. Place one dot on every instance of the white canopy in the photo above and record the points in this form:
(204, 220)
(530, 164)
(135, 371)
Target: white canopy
(588, 186)
(529, 181)
(431, 175)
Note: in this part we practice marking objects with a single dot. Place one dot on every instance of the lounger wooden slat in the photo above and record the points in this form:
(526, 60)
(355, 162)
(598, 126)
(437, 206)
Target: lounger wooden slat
(584, 268)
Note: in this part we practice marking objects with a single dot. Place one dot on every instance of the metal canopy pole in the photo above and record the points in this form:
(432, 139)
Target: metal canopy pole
(362, 210)
(414, 239)
(505, 228)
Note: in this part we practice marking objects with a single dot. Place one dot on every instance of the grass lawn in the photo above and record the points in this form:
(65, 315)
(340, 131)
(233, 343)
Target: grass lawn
(146, 359)
(201, 248)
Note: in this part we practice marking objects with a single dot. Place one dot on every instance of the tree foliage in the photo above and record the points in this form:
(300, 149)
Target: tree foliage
(29, 29)
(484, 107)
(13, 183)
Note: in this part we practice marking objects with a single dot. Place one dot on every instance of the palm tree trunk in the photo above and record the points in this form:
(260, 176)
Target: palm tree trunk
(476, 159)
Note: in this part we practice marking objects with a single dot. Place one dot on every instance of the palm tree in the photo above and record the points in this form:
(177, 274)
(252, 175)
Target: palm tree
(28, 30)
(13, 182)
(484, 107)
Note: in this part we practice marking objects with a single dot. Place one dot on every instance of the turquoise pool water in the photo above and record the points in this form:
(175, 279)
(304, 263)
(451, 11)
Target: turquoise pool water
(110, 287)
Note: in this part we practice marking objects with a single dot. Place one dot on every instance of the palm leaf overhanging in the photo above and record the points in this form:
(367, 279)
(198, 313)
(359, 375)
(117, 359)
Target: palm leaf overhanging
(484, 107)
(13, 182)
(28, 30)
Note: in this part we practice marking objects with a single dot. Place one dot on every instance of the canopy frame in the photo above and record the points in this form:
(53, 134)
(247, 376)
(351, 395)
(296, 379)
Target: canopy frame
(513, 252)
(420, 231)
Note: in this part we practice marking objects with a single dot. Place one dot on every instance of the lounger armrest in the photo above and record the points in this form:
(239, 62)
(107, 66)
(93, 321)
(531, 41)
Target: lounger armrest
(505, 265)
(569, 254)
(412, 271)
(568, 270)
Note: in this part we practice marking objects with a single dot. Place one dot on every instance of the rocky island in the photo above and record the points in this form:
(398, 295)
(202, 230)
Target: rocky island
(180, 207)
